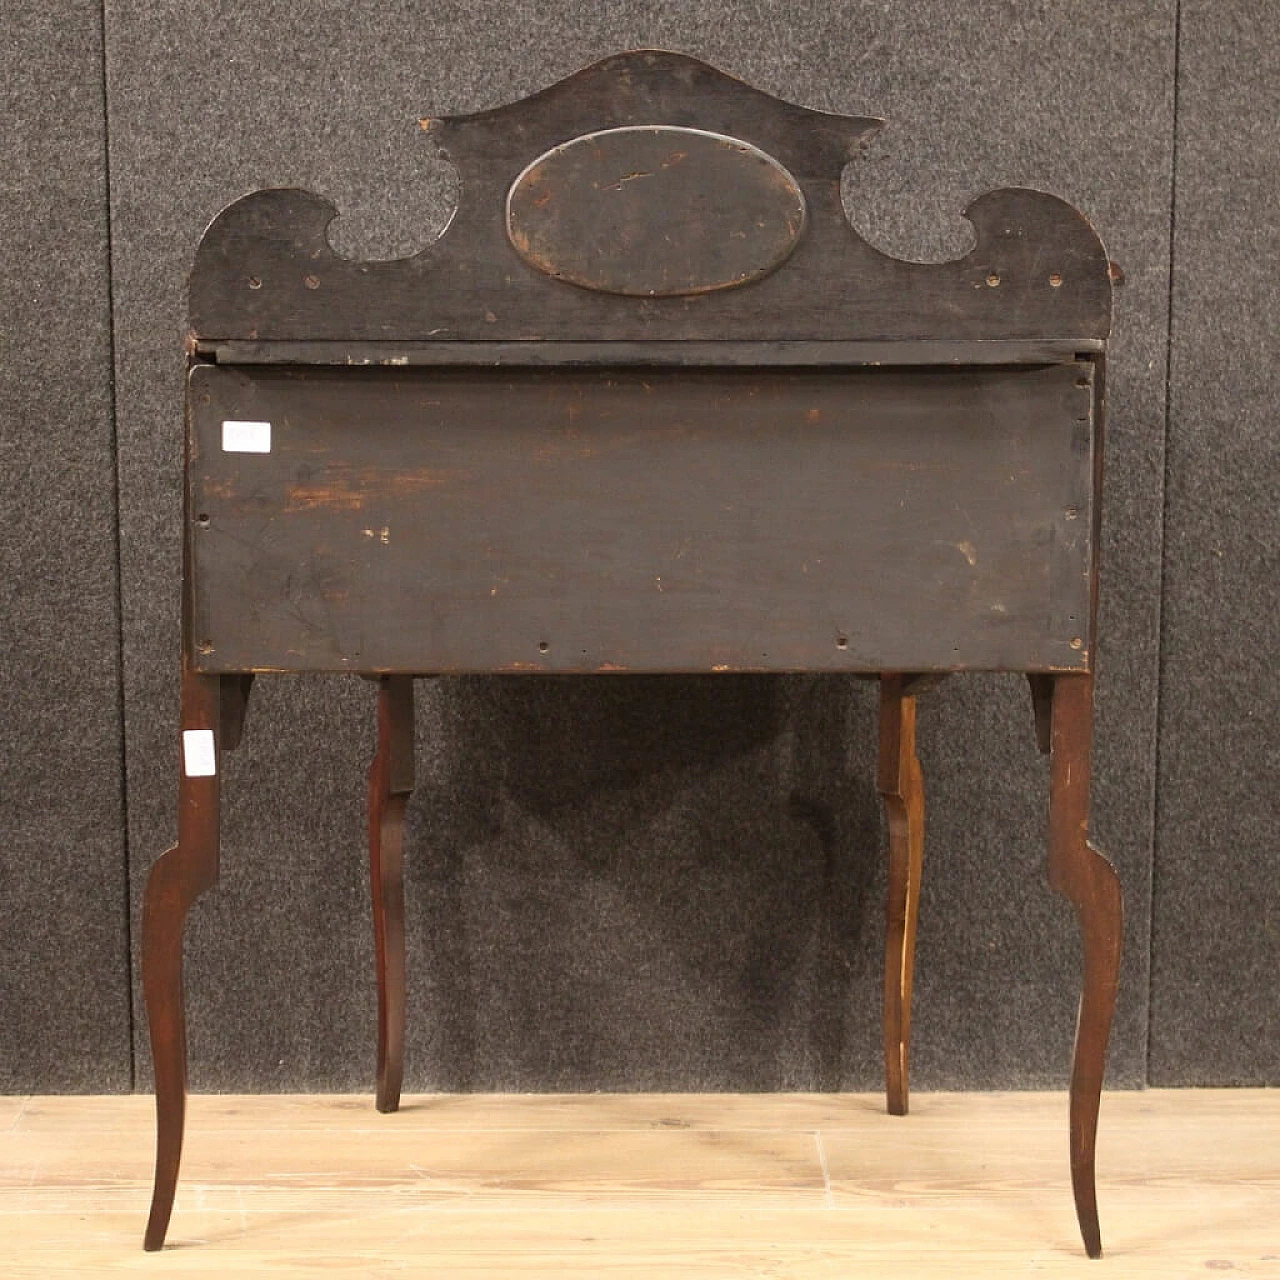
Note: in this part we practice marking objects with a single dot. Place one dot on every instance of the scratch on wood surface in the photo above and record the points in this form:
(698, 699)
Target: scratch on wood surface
(347, 488)
(627, 177)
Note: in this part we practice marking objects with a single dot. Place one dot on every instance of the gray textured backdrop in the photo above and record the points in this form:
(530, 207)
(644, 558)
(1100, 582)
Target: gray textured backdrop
(643, 882)
(64, 980)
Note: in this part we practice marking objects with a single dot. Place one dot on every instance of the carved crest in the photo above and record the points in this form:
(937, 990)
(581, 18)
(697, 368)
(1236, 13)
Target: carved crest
(649, 197)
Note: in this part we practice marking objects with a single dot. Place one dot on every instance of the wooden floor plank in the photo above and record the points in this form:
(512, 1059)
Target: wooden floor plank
(619, 1187)
(604, 1111)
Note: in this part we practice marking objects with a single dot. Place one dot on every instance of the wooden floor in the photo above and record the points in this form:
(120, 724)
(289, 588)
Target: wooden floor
(624, 1186)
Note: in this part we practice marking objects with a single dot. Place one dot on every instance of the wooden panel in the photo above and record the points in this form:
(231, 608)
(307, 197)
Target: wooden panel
(265, 270)
(684, 354)
(655, 212)
(659, 520)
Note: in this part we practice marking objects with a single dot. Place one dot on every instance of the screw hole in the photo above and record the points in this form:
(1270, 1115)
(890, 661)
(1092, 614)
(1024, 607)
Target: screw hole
(312, 282)
(1055, 281)
(543, 646)
(254, 282)
(842, 642)
(993, 280)
(203, 519)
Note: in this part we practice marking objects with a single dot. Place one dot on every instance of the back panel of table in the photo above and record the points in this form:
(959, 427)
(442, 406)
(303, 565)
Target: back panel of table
(643, 520)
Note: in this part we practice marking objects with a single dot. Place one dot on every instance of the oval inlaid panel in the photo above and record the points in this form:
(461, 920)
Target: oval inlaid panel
(655, 211)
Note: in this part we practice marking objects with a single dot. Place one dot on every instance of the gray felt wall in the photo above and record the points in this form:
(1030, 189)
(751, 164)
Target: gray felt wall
(1216, 942)
(64, 973)
(640, 882)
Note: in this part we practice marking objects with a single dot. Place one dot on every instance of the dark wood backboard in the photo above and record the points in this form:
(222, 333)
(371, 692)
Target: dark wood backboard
(649, 404)
(654, 161)
(643, 520)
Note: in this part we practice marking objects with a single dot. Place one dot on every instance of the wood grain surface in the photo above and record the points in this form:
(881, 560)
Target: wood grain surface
(440, 520)
(265, 269)
(644, 1185)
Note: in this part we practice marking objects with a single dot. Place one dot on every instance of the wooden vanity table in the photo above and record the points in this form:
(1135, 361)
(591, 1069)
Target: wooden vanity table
(650, 404)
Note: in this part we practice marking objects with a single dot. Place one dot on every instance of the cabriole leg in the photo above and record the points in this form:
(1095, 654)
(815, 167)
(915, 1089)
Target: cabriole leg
(177, 879)
(1082, 875)
(901, 786)
(390, 784)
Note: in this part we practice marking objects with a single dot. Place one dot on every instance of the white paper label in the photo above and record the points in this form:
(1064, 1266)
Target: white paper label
(198, 757)
(246, 437)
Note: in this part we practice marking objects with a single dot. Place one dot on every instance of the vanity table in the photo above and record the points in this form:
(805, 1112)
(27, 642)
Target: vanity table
(649, 404)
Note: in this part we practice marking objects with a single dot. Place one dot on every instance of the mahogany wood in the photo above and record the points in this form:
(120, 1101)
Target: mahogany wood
(901, 786)
(1083, 876)
(177, 878)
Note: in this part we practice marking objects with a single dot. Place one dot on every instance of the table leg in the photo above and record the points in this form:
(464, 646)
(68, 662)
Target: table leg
(177, 879)
(391, 778)
(901, 786)
(1082, 875)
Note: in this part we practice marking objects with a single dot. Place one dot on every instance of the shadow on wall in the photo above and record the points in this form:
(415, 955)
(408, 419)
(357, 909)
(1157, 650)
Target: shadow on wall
(656, 882)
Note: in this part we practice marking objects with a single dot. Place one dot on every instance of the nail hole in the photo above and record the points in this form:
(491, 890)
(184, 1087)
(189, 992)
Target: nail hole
(1077, 643)
(312, 282)
(1071, 513)
(993, 280)
(254, 282)
(842, 642)
(1055, 281)
(543, 646)
(203, 519)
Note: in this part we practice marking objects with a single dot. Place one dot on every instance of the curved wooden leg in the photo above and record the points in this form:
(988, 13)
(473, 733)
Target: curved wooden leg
(1079, 872)
(390, 783)
(901, 786)
(177, 879)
